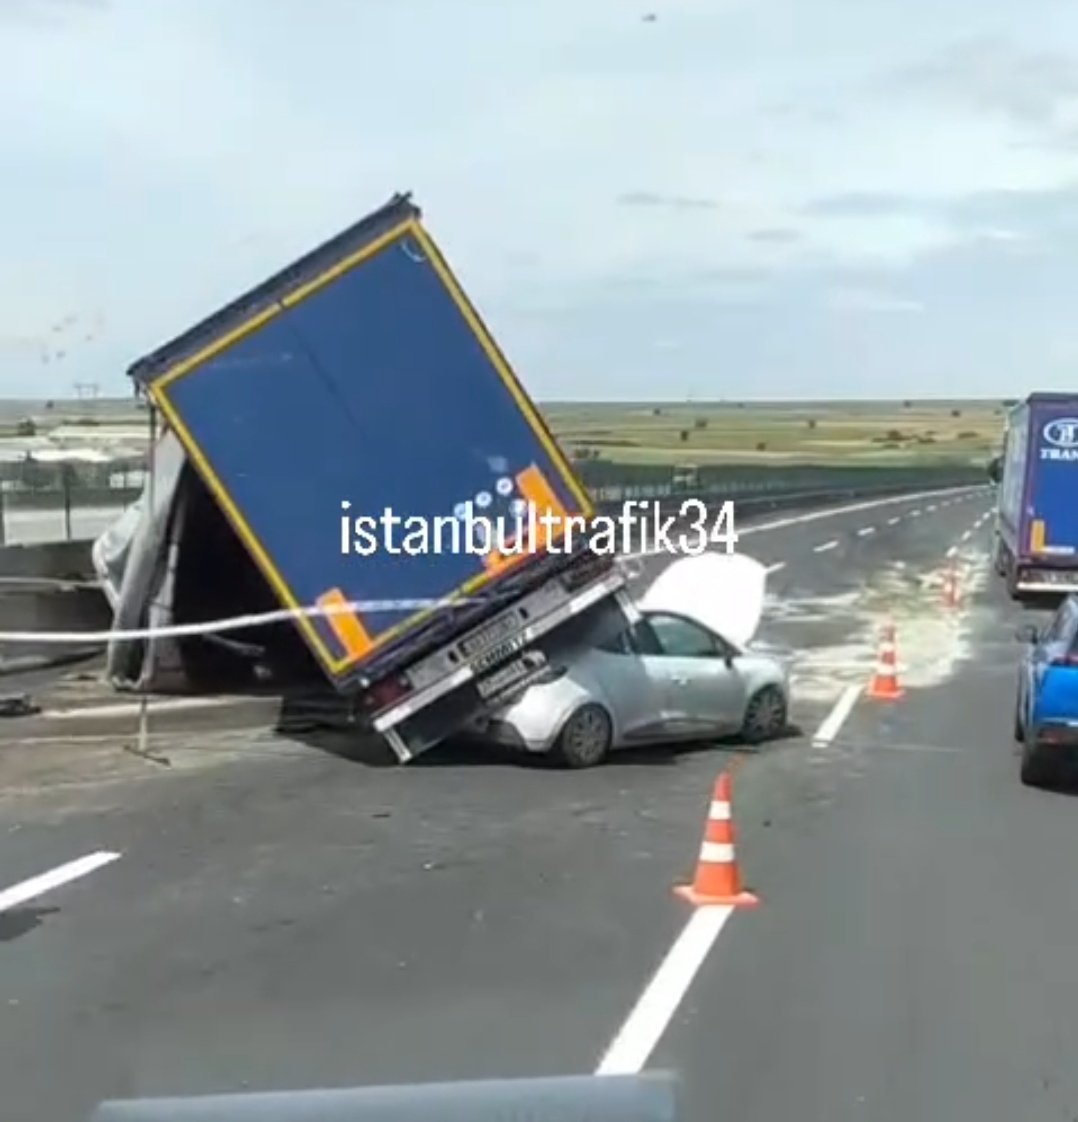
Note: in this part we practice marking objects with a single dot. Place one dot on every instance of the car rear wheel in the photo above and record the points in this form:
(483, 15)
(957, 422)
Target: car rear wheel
(765, 716)
(586, 737)
(1036, 770)
(1019, 727)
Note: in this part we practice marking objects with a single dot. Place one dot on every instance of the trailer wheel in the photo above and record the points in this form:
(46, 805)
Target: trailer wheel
(1011, 576)
(999, 558)
(585, 738)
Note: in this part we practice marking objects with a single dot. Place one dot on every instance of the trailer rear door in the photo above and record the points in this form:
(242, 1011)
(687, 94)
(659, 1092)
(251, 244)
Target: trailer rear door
(361, 375)
(1052, 497)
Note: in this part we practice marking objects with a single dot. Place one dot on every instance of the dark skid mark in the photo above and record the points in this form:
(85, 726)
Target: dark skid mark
(21, 921)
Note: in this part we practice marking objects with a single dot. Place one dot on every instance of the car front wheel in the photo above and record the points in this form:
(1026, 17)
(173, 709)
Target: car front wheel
(586, 737)
(765, 716)
(1019, 727)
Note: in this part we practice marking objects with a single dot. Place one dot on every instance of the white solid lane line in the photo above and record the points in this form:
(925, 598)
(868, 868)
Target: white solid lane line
(834, 720)
(26, 890)
(631, 1048)
(832, 544)
(655, 1009)
(831, 512)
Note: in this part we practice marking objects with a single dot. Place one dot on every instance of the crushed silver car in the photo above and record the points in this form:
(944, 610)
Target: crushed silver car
(683, 670)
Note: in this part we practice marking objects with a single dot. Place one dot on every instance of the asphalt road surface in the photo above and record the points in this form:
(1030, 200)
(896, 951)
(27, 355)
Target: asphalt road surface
(267, 914)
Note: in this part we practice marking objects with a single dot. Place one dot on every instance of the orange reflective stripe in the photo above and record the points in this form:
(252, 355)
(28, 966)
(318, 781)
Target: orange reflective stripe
(540, 495)
(346, 625)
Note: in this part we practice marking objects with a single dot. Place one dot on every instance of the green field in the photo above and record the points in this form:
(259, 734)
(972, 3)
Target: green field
(842, 433)
(684, 434)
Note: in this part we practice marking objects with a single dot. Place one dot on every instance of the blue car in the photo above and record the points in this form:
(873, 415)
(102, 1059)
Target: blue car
(1046, 712)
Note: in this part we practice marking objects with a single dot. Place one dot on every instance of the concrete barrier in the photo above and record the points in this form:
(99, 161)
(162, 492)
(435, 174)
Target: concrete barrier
(50, 607)
(59, 560)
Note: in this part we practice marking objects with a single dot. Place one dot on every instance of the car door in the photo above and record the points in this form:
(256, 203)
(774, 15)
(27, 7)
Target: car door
(619, 663)
(1054, 642)
(696, 673)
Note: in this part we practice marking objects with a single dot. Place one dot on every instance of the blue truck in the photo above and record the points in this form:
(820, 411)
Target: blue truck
(1036, 533)
(346, 417)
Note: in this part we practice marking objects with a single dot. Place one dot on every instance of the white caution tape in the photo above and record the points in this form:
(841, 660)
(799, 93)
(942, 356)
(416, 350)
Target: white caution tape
(232, 623)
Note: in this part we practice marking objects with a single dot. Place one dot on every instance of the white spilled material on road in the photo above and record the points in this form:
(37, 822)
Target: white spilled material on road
(646, 1024)
(37, 886)
(836, 637)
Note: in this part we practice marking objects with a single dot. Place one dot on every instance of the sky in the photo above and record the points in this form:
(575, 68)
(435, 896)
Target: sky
(655, 200)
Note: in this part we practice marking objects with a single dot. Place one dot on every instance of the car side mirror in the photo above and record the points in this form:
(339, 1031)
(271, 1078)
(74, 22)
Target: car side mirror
(1027, 633)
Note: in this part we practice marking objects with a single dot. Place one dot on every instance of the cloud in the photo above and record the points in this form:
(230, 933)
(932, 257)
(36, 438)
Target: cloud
(866, 300)
(863, 203)
(995, 74)
(775, 235)
(674, 202)
(158, 158)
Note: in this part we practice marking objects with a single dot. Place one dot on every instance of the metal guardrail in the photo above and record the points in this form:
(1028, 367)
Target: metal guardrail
(77, 512)
(794, 490)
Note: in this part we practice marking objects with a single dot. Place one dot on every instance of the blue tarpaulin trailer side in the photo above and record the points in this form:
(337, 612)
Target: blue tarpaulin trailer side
(360, 375)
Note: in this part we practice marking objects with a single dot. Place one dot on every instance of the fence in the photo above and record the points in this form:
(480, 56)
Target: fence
(70, 511)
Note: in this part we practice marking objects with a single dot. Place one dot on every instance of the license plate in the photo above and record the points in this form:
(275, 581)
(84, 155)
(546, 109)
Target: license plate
(497, 654)
(506, 625)
(510, 675)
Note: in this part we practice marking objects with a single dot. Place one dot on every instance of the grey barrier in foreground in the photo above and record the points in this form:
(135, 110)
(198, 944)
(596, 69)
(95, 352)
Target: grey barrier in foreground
(651, 1097)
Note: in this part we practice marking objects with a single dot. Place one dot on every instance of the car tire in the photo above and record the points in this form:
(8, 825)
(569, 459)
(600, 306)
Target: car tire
(586, 737)
(1035, 771)
(1019, 727)
(765, 716)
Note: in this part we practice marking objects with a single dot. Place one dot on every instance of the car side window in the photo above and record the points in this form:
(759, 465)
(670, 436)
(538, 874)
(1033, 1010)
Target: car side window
(681, 638)
(636, 639)
(1060, 627)
(1066, 623)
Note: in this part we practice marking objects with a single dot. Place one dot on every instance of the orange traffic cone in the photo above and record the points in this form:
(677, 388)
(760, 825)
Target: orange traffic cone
(951, 595)
(884, 684)
(718, 880)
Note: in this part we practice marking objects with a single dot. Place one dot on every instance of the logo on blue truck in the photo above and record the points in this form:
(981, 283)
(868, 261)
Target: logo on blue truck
(1060, 439)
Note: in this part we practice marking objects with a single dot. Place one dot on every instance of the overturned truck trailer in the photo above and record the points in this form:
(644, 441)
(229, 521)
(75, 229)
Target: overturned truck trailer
(337, 435)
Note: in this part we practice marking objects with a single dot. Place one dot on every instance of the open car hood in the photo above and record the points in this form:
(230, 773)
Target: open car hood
(722, 592)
